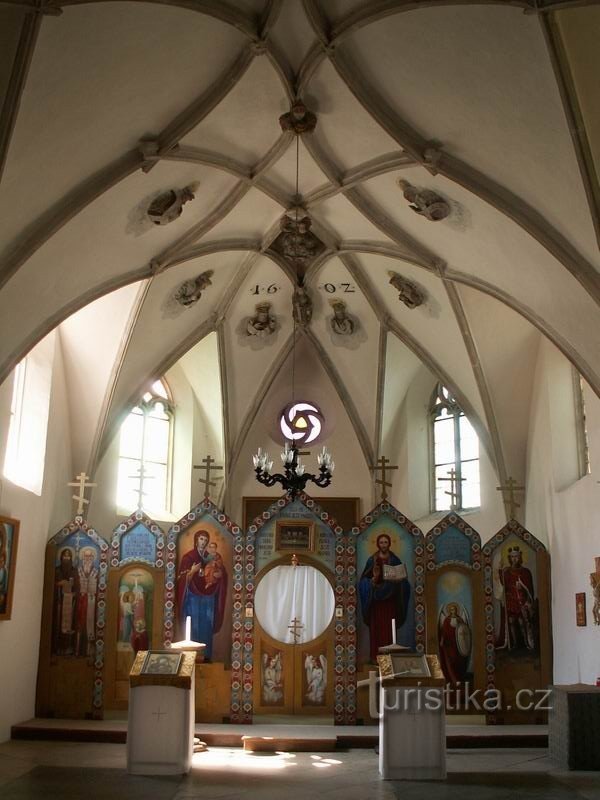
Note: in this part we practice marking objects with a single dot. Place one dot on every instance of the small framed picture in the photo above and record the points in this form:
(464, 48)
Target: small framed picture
(162, 662)
(410, 665)
(295, 534)
(9, 537)
(403, 665)
(580, 609)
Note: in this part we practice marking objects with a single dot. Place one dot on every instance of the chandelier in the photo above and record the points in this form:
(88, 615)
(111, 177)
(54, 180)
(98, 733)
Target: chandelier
(299, 420)
(295, 478)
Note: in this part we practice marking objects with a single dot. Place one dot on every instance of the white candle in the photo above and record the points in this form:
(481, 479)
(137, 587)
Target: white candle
(393, 631)
(188, 629)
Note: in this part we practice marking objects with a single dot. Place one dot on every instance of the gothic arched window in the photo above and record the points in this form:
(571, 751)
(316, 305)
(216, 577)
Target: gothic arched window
(145, 453)
(455, 454)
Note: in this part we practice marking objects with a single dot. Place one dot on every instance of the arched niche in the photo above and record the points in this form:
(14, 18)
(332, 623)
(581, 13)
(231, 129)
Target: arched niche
(271, 538)
(294, 662)
(71, 663)
(455, 613)
(214, 591)
(134, 600)
(406, 548)
(516, 570)
(404, 599)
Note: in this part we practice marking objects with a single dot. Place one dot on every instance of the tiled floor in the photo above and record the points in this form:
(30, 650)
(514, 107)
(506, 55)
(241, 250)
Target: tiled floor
(63, 771)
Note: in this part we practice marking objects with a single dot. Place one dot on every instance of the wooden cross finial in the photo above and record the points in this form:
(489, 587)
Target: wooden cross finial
(510, 487)
(141, 477)
(81, 483)
(295, 628)
(384, 465)
(454, 483)
(208, 464)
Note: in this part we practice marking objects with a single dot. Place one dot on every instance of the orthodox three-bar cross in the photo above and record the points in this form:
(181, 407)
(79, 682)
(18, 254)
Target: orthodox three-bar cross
(208, 464)
(81, 483)
(384, 465)
(296, 629)
(141, 477)
(510, 487)
(455, 482)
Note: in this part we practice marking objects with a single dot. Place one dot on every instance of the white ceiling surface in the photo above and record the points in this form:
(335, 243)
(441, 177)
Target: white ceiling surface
(201, 368)
(283, 172)
(104, 243)
(162, 327)
(476, 79)
(102, 77)
(401, 366)
(91, 347)
(346, 132)
(346, 221)
(248, 360)
(432, 324)
(491, 99)
(345, 352)
(246, 123)
(508, 344)
(486, 245)
(251, 218)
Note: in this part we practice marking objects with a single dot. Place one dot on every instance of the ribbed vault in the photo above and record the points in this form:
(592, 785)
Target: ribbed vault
(108, 104)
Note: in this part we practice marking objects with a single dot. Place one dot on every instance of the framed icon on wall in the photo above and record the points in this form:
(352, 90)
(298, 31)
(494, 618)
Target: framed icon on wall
(9, 535)
(295, 535)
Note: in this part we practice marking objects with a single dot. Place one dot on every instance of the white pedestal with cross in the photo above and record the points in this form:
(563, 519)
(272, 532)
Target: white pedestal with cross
(160, 734)
(412, 728)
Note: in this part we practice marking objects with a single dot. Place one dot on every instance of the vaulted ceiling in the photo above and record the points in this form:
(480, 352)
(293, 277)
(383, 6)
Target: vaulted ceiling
(109, 104)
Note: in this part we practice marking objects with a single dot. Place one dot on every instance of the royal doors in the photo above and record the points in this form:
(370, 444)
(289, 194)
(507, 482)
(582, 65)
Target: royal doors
(294, 611)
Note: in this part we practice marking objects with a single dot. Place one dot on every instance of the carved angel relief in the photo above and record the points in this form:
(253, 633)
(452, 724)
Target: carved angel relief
(189, 292)
(425, 202)
(412, 296)
(167, 207)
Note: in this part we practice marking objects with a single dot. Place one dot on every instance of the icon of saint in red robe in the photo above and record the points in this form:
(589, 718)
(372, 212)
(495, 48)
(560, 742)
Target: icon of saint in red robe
(518, 623)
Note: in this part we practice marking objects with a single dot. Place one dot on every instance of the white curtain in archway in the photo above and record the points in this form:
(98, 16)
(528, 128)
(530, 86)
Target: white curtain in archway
(286, 593)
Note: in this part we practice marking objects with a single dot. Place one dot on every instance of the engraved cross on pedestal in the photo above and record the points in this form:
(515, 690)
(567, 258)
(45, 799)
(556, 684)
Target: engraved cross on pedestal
(158, 714)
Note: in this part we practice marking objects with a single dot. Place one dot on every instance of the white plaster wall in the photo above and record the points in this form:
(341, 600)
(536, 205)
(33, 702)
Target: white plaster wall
(41, 517)
(351, 477)
(565, 516)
